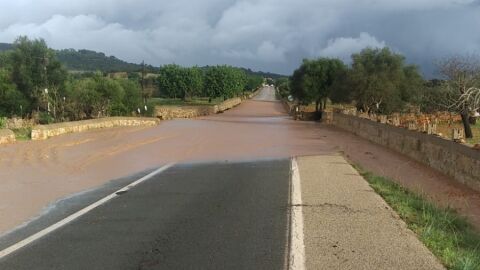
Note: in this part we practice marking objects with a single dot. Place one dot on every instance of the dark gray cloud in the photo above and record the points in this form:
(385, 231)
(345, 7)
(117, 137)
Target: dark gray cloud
(272, 35)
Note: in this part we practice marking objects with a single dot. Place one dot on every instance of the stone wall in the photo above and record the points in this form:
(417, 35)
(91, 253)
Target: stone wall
(254, 93)
(459, 161)
(228, 104)
(6, 136)
(17, 123)
(43, 132)
(168, 112)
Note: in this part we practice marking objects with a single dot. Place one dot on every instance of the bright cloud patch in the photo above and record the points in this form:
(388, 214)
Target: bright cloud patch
(343, 47)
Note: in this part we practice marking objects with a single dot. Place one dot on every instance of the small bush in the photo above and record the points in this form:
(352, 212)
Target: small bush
(3, 122)
(23, 134)
(45, 118)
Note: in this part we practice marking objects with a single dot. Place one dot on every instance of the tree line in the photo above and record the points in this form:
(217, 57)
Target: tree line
(33, 83)
(379, 81)
(213, 82)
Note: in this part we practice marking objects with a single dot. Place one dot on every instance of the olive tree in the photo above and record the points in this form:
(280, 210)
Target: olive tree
(313, 81)
(462, 87)
(34, 69)
(12, 101)
(224, 81)
(381, 81)
(180, 82)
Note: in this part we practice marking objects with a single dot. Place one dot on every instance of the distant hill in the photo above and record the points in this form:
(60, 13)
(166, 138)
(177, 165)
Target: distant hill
(263, 74)
(5, 47)
(257, 73)
(86, 60)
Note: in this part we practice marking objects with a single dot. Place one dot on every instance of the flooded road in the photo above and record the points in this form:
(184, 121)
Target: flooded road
(36, 174)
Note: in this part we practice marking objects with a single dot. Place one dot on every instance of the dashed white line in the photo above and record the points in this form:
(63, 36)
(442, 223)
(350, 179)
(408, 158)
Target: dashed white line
(297, 245)
(78, 214)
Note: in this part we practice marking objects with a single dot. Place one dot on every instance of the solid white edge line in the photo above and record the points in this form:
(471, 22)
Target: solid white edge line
(297, 245)
(78, 214)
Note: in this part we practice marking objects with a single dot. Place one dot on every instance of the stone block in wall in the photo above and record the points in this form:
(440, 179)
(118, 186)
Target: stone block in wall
(169, 112)
(382, 119)
(17, 123)
(457, 134)
(432, 128)
(43, 132)
(175, 112)
(228, 104)
(6, 136)
(412, 126)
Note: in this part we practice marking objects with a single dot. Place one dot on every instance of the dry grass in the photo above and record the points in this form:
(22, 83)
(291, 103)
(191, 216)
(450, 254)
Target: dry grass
(446, 131)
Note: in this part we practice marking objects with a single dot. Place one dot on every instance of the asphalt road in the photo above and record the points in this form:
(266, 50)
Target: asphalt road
(314, 212)
(203, 216)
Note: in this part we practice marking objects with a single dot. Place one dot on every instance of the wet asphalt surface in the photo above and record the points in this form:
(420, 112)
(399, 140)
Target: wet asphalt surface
(196, 216)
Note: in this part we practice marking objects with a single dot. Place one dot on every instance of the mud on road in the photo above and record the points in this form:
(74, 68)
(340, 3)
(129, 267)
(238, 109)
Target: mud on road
(36, 174)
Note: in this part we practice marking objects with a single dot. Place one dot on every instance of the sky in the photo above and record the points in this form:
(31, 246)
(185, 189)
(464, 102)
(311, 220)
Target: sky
(268, 35)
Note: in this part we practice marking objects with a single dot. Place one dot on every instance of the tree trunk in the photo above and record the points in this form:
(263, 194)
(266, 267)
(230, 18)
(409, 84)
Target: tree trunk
(472, 120)
(318, 109)
(466, 126)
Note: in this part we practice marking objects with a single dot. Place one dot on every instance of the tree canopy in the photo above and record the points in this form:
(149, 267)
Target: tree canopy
(224, 81)
(381, 81)
(313, 80)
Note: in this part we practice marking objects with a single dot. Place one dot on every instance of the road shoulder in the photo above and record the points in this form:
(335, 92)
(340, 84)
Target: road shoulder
(349, 226)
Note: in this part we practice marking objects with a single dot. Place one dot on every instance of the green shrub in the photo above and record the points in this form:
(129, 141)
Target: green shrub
(118, 109)
(3, 122)
(23, 134)
(45, 118)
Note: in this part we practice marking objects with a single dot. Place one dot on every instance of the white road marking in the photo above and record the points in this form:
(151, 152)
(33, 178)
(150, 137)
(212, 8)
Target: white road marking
(297, 245)
(78, 214)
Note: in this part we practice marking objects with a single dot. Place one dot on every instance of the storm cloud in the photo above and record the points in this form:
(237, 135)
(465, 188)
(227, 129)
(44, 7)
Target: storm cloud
(270, 35)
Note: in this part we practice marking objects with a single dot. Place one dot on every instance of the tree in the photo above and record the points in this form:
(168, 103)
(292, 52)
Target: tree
(176, 81)
(224, 81)
(132, 97)
(313, 81)
(253, 82)
(380, 80)
(341, 90)
(193, 78)
(12, 101)
(432, 96)
(462, 87)
(34, 69)
(169, 81)
(100, 96)
(283, 87)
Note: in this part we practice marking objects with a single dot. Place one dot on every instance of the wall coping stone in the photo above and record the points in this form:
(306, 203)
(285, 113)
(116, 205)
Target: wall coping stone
(449, 144)
(41, 132)
(7, 136)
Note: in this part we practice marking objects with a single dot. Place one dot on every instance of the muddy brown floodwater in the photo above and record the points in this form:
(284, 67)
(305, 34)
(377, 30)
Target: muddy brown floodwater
(37, 173)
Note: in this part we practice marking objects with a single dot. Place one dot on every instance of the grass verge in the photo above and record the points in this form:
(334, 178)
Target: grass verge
(22, 134)
(450, 237)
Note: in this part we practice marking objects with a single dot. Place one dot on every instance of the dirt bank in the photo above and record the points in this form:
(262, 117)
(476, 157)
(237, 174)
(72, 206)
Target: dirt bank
(34, 174)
